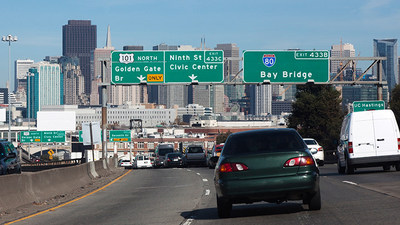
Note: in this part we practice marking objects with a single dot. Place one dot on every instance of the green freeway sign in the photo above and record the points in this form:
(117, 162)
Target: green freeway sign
(368, 105)
(120, 136)
(81, 138)
(285, 66)
(134, 67)
(53, 136)
(42, 136)
(30, 136)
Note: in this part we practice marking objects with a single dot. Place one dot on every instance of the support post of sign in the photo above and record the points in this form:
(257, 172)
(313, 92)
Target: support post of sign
(91, 140)
(379, 85)
(104, 120)
(130, 151)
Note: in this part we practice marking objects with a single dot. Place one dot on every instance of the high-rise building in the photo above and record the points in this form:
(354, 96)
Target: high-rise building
(341, 50)
(387, 48)
(231, 69)
(46, 86)
(133, 48)
(74, 89)
(21, 70)
(79, 40)
(261, 100)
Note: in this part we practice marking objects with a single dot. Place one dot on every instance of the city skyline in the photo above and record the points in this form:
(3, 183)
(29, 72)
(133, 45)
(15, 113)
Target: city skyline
(252, 25)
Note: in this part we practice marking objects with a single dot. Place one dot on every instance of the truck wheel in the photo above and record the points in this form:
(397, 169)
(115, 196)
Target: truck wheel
(349, 169)
(397, 166)
(386, 167)
(340, 169)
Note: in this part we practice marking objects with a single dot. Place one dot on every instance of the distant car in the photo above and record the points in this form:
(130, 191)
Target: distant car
(160, 152)
(316, 150)
(213, 156)
(125, 163)
(174, 159)
(195, 155)
(9, 158)
(142, 161)
(272, 165)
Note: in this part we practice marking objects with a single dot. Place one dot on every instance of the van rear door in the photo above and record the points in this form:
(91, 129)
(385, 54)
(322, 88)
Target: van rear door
(385, 133)
(362, 135)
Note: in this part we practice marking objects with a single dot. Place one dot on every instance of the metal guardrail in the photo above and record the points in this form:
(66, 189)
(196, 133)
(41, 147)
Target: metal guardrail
(39, 166)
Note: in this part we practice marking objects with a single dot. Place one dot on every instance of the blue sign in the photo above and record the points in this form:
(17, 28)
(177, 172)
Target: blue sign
(269, 60)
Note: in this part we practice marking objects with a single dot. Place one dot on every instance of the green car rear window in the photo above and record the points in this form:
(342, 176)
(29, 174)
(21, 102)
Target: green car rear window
(264, 141)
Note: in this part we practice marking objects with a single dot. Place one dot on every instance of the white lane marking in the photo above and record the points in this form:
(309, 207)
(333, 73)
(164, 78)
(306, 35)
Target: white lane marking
(207, 191)
(349, 182)
(198, 174)
(188, 221)
(188, 170)
(205, 180)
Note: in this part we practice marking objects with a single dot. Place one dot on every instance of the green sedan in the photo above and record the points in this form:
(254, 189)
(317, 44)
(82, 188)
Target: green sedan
(272, 165)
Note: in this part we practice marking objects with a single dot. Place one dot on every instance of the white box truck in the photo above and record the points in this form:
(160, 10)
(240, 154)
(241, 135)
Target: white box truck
(368, 139)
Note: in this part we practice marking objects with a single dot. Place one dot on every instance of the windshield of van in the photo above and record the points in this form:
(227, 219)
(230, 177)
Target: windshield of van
(164, 151)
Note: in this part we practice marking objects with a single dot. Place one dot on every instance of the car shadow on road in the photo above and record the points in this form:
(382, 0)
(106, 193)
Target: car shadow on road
(247, 210)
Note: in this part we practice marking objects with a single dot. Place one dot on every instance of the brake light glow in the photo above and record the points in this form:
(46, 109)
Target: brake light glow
(398, 144)
(232, 167)
(299, 161)
(350, 147)
(320, 149)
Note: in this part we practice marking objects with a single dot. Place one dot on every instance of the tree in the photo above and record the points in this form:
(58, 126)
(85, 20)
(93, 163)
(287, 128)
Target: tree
(394, 102)
(317, 114)
(221, 138)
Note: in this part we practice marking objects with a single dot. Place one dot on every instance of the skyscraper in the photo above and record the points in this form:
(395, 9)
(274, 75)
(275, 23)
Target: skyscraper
(387, 48)
(341, 50)
(231, 68)
(21, 69)
(261, 99)
(73, 82)
(79, 40)
(46, 86)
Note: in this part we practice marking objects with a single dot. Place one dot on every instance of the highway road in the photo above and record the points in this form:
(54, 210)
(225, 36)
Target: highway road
(186, 196)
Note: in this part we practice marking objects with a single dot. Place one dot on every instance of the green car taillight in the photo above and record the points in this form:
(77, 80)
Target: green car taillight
(232, 167)
(300, 161)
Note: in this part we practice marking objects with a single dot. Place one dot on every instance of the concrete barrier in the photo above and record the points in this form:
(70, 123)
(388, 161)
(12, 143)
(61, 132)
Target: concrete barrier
(26, 188)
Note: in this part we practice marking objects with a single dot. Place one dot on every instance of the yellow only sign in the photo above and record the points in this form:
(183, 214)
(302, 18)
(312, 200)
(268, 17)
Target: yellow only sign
(155, 77)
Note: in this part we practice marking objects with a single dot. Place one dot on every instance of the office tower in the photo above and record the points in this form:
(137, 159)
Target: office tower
(231, 69)
(21, 70)
(337, 51)
(133, 48)
(74, 84)
(387, 48)
(260, 99)
(79, 40)
(3, 95)
(45, 86)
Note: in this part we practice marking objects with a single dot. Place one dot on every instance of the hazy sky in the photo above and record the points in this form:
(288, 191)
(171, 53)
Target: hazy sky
(251, 24)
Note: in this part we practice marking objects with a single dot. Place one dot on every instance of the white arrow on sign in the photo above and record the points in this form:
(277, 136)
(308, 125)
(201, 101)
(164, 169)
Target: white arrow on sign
(141, 78)
(193, 77)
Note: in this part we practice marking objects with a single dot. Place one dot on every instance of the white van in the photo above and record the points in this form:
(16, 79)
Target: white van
(369, 138)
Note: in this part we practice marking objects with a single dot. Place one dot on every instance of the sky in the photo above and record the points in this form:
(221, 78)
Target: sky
(251, 24)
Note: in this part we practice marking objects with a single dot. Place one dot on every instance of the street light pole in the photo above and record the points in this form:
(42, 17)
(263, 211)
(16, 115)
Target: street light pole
(9, 38)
